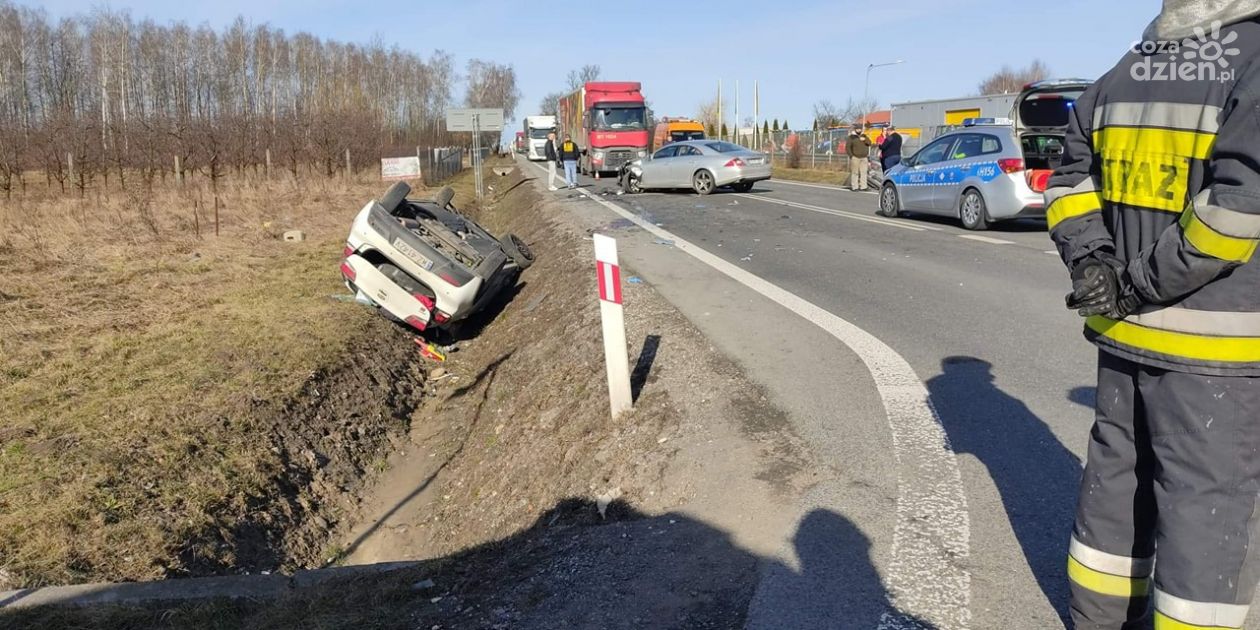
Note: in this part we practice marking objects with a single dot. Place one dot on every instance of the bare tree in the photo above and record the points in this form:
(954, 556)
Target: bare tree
(100, 96)
(550, 104)
(1008, 80)
(707, 114)
(582, 76)
(827, 114)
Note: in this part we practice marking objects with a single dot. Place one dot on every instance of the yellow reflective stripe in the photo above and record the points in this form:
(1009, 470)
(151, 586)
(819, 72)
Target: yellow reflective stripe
(1197, 347)
(1073, 205)
(1213, 243)
(1153, 141)
(1106, 583)
(1200, 614)
(1164, 622)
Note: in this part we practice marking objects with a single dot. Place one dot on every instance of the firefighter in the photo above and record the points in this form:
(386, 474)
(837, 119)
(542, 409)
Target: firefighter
(1156, 213)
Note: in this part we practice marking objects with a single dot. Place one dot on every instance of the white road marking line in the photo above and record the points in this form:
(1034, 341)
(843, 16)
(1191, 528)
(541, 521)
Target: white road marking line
(986, 239)
(842, 213)
(1052, 252)
(927, 576)
(824, 186)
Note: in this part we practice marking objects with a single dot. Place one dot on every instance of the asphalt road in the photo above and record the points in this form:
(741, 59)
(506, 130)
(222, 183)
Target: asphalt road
(979, 317)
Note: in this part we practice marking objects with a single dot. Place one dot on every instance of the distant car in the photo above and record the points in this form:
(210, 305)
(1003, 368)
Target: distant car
(701, 165)
(425, 264)
(990, 169)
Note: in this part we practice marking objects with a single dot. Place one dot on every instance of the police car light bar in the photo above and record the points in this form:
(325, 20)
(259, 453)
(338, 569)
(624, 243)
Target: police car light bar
(976, 122)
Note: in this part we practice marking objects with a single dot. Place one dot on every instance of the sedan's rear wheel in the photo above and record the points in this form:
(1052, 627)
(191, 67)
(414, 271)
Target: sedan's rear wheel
(973, 211)
(702, 182)
(889, 203)
(742, 187)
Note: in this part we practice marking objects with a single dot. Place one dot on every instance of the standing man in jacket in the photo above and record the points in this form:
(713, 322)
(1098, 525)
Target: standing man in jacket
(858, 148)
(890, 149)
(549, 154)
(569, 155)
(1156, 213)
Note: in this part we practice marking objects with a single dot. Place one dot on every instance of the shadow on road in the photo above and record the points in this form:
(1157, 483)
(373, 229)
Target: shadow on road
(837, 585)
(1036, 475)
(571, 568)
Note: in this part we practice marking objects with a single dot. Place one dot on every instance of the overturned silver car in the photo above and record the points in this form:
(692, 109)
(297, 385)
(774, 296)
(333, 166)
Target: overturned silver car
(426, 264)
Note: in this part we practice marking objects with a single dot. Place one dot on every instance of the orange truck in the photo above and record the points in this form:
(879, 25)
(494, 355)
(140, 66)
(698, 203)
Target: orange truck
(676, 130)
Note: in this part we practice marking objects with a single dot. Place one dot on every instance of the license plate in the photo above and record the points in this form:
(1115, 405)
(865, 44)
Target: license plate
(410, 252)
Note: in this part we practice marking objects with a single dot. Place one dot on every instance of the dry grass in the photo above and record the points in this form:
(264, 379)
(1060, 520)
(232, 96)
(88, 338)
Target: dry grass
(131, 341)
(817, 176)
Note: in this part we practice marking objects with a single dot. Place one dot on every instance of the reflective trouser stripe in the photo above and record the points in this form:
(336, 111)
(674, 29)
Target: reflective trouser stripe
(1073, 205)
(1110, 562)
(1183, 613)
(1106, 583)
(1164, 622)
(1176, 344)
(1213, 243)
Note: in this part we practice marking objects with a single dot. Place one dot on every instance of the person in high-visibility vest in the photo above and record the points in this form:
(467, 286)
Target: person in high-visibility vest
(1156, 213)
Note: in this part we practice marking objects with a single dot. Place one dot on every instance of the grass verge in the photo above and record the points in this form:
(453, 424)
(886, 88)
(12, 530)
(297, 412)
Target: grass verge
(166, 390)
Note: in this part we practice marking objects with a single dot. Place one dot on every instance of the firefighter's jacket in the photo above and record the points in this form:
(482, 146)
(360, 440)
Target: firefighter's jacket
(1161, 167)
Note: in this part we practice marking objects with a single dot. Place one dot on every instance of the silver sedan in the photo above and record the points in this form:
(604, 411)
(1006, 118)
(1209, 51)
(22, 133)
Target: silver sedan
(701, 165)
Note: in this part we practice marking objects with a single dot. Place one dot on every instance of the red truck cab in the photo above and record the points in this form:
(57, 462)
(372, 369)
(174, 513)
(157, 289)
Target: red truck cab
(608, 121)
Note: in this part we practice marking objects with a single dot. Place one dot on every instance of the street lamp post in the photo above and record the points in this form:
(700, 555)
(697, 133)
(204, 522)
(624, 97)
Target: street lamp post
(866, 95)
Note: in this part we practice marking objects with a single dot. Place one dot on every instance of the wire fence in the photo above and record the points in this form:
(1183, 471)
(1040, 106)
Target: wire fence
(438, 164)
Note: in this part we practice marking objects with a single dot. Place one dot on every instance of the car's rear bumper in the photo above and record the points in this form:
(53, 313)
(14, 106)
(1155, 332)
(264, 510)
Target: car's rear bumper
(1009, 197)
(728, 176)
(377, 287)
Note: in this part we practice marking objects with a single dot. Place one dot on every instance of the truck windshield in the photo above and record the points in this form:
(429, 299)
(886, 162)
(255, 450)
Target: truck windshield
(540, 134)
(679, 136)
(619, 118)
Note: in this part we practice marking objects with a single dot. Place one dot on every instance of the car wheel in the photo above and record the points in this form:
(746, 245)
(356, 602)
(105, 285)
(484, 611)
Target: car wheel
(972, 211)
(517, 250)
(632, 184)
(889, 201)
(702, 182)
(395, 196)
(742, 187)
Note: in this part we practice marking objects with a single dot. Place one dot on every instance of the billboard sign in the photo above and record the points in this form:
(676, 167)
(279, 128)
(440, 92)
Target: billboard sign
(398, 169)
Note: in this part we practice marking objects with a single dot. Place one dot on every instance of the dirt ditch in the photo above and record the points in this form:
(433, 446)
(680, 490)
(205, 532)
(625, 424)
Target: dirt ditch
(527, 505)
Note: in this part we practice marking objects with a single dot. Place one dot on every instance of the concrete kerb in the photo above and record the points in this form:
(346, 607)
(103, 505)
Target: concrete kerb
(225, 587)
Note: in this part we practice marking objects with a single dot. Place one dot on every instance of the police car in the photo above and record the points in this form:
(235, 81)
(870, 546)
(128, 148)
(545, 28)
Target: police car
(990, 169)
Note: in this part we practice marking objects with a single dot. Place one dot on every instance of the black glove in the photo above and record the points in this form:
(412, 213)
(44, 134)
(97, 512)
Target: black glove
(1101, 286)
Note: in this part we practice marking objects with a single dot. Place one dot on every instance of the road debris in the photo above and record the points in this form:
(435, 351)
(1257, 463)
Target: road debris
(634, 280)
(430, 351)
(294, 236)
(664, 241)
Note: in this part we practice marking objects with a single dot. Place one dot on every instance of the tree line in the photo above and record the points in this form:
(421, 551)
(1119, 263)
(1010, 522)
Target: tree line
(103, 95)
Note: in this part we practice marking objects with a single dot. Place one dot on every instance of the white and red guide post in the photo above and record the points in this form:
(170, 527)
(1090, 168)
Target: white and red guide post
(612, 314)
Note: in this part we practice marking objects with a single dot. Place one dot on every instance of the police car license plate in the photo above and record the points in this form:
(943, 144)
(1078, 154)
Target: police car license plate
(410, 252)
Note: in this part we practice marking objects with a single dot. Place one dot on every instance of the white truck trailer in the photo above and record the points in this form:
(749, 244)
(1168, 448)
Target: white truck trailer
(536, 130)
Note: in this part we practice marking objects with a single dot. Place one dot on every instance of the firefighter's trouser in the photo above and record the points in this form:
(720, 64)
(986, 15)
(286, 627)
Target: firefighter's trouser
(1167, 509)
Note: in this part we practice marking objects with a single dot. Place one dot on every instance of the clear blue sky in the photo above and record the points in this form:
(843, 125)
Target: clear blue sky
(800, 50)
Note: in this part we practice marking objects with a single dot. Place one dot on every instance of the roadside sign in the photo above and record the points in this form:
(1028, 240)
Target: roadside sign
(477, 120)
(474, 119)
(398, 169)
